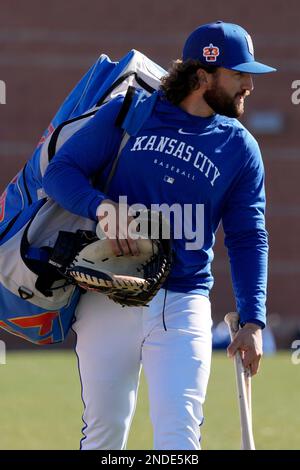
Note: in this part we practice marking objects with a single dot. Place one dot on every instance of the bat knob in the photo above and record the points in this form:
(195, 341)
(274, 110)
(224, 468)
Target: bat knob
(232, 320)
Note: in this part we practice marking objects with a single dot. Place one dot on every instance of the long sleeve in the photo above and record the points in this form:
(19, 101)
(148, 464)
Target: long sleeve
(246, 240)
(67, 179)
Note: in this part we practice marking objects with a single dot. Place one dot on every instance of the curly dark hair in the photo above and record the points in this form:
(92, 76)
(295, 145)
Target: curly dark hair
(182, 78)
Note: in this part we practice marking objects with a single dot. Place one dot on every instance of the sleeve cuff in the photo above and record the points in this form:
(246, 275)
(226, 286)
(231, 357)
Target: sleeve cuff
(95, 205)
(256, 322)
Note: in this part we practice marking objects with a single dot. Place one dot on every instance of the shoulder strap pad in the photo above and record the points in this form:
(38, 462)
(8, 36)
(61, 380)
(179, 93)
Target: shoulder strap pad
(125, 106)
(139, 111)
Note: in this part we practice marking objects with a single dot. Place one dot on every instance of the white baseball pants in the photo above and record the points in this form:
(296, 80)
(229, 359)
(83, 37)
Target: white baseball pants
(112, 344)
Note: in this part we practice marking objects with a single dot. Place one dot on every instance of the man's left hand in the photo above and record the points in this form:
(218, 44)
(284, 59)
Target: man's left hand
(248, 341)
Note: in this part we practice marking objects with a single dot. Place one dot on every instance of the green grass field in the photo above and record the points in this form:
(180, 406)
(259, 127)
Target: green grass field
(41, 406)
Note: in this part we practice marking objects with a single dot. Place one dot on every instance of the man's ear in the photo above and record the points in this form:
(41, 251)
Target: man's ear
(203, 77)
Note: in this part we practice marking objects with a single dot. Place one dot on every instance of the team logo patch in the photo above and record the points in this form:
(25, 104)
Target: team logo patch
(211, 53)
(48, 132)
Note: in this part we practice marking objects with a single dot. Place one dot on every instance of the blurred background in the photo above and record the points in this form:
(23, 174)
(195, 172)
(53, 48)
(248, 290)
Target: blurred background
(45, 48)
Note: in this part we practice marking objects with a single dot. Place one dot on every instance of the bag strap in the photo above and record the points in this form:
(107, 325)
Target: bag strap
(125, 106)
(118, 122)
(124, 141)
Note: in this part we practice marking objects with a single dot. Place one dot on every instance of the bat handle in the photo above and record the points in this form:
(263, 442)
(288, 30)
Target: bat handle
(243, 380)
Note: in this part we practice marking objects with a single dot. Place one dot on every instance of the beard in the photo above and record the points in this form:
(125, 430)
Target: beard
(222, 103)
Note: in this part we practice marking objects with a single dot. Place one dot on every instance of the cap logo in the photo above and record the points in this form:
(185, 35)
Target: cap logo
(211, 53)
(250, 44)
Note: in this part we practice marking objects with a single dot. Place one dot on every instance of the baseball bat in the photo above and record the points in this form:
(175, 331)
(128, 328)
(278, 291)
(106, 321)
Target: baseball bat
(243, 381)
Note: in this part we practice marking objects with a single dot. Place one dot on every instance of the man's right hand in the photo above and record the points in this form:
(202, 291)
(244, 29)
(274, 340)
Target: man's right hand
(114, 221)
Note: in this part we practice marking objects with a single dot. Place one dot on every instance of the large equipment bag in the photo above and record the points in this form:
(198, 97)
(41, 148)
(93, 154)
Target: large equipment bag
(37, 302)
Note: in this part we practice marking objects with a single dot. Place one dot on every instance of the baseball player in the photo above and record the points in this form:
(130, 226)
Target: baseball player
(191, 151)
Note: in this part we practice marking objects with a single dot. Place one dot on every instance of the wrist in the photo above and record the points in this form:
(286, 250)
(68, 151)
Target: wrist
(251, 326)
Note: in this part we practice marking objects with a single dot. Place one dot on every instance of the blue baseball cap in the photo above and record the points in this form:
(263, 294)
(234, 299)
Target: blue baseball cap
(223, 45)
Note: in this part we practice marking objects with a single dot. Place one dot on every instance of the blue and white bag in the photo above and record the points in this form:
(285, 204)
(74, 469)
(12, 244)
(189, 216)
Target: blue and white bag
(35, 302)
